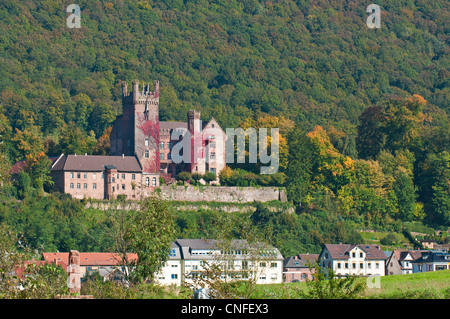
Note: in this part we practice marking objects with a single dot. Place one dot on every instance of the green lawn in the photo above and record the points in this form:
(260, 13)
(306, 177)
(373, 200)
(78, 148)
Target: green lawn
(430, 285)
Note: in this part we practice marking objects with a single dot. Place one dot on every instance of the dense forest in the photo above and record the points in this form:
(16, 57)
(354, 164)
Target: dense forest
(363, 113)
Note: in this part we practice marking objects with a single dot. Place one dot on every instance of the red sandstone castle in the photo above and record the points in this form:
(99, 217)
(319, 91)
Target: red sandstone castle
(142, 150)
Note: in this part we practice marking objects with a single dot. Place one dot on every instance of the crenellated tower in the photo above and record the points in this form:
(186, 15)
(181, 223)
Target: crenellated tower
(136, 131)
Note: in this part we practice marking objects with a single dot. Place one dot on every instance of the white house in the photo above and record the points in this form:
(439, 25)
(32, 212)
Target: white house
(400, 261)
(192, 258)
(360, 260)
(431, 261)
(171, 273)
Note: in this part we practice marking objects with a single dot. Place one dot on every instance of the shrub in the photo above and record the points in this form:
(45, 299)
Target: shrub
(183, 176)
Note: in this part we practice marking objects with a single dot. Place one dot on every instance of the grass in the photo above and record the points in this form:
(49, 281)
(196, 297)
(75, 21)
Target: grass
(429, 285)
(375, 237)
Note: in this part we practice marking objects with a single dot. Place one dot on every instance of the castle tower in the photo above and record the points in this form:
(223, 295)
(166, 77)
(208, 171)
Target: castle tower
(136, 131)
(197, 142)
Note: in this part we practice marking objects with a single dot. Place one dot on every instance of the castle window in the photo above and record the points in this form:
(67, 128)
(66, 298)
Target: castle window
(123, 186)
(169, 156)
(71, 185)
(154, 181)
(147, 154)
(161, 145)
(133, 176)
(213, 155)
(78, 175)
(114, 180)
(85, 186)
(94, 175)
(146, 142)
(212, 170)
(78, 185)
(147, 181)
(94, 186)
(161, 156)
(71, 175)
(123, 176)
(85, 175)
(212, 144)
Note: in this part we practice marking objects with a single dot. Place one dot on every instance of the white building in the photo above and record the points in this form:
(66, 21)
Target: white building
(190, 259)
(171, 273)
(431, 261)
(359, 260)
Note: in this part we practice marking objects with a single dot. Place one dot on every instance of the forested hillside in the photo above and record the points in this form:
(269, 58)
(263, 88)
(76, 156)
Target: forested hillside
(315, 62)
(363, 113)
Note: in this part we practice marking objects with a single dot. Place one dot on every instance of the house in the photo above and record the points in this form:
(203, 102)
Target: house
(104, 263)
(399, 262)
(431, 260)
(299, 268)
(190, 259)
(353, 259)
(172, 272)
(102, 177)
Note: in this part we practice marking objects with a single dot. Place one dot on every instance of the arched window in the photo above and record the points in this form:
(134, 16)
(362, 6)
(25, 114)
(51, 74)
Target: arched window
(147, 181)
(154, 181)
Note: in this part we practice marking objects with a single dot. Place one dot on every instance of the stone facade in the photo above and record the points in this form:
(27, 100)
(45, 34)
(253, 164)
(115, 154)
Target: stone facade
(102, 177)
(222, 193)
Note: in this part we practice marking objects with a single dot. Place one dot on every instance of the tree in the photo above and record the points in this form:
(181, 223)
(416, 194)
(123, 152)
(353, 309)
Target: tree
(369, 140)
(209, 177)
(147, 232)
(406, 196)
(150, 236)
(326, 285)
(299, 170)
(37, 282)
(183, 176)
(38, 167)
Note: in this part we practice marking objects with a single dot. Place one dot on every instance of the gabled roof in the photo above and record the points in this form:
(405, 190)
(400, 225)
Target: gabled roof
(96, 163)
(89, 259)
(433, 257)
(341, 251)
(300, 260)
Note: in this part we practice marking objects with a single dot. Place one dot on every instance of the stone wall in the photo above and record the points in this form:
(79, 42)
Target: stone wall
(222, 194)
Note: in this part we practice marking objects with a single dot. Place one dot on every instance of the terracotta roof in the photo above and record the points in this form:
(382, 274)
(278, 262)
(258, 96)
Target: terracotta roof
(89, 259)
(20, 271)
(96, 163)
(20, 165)
(341, 251)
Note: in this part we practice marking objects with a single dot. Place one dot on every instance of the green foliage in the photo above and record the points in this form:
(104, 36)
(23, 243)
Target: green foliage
(183, 176)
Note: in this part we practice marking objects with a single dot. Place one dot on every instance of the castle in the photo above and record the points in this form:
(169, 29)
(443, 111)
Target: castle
(142, 149)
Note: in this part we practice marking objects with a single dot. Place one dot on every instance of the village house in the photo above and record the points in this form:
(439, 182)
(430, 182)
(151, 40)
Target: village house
(189, 259)
(106, 264)
(299, 268)
(431, 260)
(359, 260)
(399, 262)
